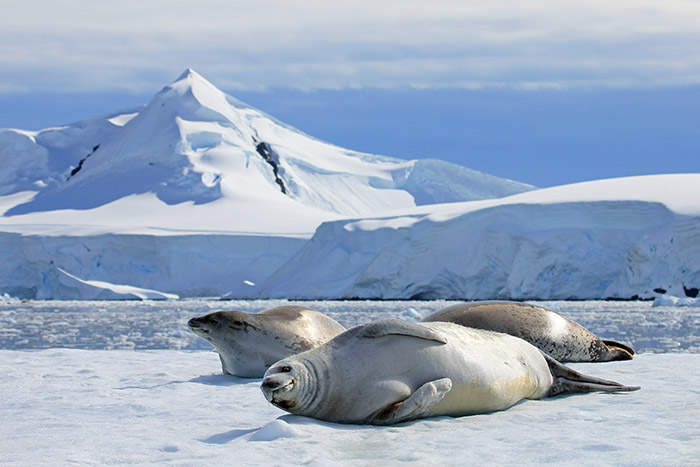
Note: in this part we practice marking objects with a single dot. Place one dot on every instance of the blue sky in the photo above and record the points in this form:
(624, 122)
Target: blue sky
(545, 92)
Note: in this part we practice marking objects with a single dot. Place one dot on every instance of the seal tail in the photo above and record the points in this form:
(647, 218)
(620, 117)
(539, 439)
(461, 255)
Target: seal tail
(619, 351)
(568, 381)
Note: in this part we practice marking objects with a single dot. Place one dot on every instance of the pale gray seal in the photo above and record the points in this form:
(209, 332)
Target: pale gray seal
(392, 371)
(558, 336)
(248, 343)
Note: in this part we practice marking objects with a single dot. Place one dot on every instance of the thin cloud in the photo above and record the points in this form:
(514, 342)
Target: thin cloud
(137, 45)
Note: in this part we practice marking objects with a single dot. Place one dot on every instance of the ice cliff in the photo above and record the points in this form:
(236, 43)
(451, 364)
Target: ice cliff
(623, 238)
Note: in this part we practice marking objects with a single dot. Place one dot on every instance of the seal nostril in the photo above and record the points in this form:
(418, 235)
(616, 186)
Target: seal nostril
(193, 323)
(270, 384)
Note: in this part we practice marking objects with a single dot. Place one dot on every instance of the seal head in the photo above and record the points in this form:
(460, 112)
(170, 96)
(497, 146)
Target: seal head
(248, 343)
(280, 386)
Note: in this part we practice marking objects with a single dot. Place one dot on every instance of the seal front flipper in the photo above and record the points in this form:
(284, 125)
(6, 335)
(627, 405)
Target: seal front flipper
(619, 351)
(417, 405)
(568, 381)
(389, 327)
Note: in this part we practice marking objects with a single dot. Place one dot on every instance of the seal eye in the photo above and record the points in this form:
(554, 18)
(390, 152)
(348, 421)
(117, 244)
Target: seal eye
(286, 369)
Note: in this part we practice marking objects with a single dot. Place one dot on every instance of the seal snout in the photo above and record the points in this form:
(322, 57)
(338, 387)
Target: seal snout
(276, 384)
(271, 385)
(194, 323)
(206, 322)
(198, 326)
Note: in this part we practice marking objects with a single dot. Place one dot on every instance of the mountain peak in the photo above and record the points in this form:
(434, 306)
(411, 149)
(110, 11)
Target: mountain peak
(192, 97)
(190, 78)
(188, 73)
(195, 143)
(191, 81)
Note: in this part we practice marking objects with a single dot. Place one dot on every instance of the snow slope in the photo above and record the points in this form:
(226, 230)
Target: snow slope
(618, 238)
(196, 159)
(175, 407)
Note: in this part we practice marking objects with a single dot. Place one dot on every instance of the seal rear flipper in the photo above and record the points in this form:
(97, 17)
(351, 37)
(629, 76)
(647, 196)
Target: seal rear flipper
(619, 351)
(568, 381)
(390, 327)
(417, 405)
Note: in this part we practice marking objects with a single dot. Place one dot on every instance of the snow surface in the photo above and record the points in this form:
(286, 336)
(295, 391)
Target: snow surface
(71, 405)
(619, 238)
(148, 407)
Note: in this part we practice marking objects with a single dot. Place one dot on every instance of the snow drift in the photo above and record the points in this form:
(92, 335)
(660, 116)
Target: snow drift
(623, 238)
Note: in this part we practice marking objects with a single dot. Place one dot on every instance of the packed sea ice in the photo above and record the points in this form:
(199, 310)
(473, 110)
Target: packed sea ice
(67, 406)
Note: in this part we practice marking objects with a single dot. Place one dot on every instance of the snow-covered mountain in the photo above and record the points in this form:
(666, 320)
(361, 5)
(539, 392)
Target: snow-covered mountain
(619, 238)
(195, 193)
(196, 159)
(198, 194)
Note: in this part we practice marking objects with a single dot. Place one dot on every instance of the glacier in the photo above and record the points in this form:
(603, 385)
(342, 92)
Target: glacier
(629, 238)
(37, 266)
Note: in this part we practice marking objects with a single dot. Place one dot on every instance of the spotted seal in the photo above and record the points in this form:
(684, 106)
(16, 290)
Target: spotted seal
(558, 336)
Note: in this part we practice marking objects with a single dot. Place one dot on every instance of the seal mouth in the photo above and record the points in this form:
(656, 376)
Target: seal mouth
(271, 390)
(283, 404)
(274, 391)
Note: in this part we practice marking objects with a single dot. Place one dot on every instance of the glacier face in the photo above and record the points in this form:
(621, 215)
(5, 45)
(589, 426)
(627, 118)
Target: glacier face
(591, 241)
(38, 266)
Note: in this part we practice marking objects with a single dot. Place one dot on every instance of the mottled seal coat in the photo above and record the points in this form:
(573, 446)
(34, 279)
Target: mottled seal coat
(248, 343)
(558, 336)
(391, 371)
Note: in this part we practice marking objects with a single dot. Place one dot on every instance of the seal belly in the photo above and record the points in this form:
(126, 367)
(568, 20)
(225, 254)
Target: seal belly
(478, 395)
(489, 371)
